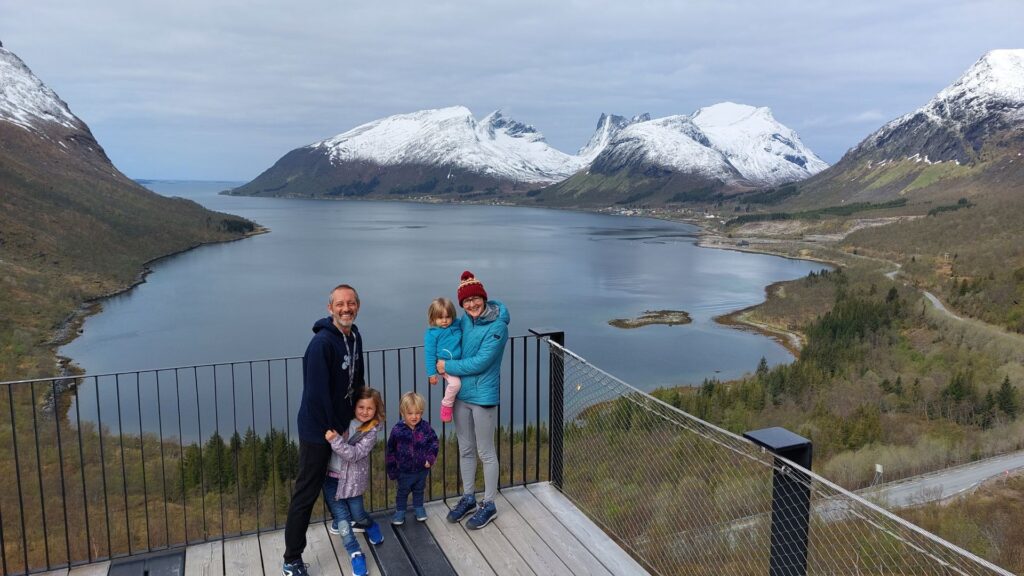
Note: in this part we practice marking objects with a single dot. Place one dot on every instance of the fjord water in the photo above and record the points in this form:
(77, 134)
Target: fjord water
(258, 297)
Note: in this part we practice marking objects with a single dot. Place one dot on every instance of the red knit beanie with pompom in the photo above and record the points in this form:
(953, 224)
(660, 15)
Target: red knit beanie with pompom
(469, 287)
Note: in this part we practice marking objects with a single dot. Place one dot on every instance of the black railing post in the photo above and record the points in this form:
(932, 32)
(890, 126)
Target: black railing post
(556, 378)
(791, 499)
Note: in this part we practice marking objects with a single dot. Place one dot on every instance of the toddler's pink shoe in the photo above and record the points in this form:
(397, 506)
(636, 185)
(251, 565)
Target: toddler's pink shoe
(446, 413)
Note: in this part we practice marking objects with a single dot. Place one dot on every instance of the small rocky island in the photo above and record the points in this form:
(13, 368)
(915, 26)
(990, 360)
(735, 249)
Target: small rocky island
(649, 317)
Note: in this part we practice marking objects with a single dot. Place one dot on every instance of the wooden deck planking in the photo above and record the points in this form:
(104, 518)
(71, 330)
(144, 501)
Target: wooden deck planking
(205, 559)
(576, 557)
(319, 552)
(241, 556)
(533, 549)
(590, 535)
(97, 569)
(272, 551)
(61, 572)
(463, 554)
(499, 552)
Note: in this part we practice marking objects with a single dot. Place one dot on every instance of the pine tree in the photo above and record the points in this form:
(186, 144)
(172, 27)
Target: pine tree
(1006, 398)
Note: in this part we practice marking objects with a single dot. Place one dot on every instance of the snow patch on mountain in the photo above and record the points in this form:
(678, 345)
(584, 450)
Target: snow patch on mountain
(495, 146)
(26, 101)
(763, 150)
(993, 85)
(727, 141)
(608, 126)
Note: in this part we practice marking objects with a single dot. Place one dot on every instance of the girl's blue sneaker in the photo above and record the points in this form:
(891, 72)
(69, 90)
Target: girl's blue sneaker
(359, 564)
(374, 535)
(399, 518)
(421, 514)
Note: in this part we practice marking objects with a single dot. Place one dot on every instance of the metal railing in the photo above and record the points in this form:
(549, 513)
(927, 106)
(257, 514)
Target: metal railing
(104, 466)
(683, 496)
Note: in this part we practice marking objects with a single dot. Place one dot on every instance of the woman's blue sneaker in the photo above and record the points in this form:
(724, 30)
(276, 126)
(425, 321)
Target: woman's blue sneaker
(399, 518)
(421, 513)
(359, 564)
(484, 514)
(296, 568)
(465, 505)
(373, 534)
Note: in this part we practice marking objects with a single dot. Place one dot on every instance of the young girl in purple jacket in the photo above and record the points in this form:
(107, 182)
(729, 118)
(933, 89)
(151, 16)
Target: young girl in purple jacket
(348, 476)
(412, 450)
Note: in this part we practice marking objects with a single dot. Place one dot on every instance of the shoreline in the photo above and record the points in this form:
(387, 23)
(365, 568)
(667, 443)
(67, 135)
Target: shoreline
(69, 328)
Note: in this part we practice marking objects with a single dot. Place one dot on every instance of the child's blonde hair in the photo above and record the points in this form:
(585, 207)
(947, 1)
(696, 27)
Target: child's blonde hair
(411, 402)
(438, 307)
(363, 393)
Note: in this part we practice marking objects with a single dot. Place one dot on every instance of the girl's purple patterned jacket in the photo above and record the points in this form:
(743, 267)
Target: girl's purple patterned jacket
(409, 449)
(354, 474)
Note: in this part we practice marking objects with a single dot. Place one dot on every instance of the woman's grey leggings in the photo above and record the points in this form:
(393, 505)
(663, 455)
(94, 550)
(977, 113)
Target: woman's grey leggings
(475, 426)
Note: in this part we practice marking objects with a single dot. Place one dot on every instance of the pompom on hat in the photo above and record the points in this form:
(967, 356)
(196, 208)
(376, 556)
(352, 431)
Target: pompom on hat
(469, 286)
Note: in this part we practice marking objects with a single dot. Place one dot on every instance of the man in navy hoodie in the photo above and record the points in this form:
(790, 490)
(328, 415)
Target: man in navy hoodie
(332, 369)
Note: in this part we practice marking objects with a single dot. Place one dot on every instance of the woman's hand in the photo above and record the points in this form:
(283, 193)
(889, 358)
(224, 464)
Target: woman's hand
(427, 465)
(330, 435)
(440, 366)
(432, 380)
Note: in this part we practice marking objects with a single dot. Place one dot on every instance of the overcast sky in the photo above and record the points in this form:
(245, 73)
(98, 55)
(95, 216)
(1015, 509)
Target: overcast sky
(215, 89)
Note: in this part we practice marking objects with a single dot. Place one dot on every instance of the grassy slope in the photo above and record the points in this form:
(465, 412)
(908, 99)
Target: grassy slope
(73, 228)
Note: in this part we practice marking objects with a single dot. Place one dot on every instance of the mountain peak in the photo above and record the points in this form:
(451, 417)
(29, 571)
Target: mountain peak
(26, 101)
(497, 121)
(998, 74)
(608, 125)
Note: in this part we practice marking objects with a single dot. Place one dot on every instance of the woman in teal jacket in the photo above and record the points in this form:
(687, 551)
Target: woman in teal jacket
(484, 333)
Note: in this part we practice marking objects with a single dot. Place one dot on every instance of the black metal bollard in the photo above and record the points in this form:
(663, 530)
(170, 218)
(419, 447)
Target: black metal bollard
(556, 396)
(791, 499)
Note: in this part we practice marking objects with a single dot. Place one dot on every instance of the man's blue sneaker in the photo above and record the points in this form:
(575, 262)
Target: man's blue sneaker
(296, 568)
(399, 518)
(359, 564)
(484, 514)
(462, 509)
(421, 513)
(373, 534)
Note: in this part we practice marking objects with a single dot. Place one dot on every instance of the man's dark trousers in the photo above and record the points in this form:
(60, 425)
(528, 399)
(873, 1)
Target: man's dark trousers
(313, 460)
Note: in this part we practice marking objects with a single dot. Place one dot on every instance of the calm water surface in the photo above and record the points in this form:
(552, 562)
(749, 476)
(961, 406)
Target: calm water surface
(258, 298)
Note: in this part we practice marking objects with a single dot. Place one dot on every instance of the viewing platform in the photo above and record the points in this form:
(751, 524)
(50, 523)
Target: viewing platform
(189, 470)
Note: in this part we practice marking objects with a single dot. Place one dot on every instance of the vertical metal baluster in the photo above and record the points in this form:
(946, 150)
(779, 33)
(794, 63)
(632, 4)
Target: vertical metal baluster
(39, 476)
(39, 472)
(85, 492)
(382, 417)
(103, 469)
(288, 406)
(511, 412)
(238, 470)
(142, 458)
(384, 386)
(526, 386)
(536, 380)
(124, 473)
(273, 452)
(3, 545)
(252, 405)
(199, 427)
(17, 476)
(181, 459)
(60, 463)
(220, 463)
(163, 463)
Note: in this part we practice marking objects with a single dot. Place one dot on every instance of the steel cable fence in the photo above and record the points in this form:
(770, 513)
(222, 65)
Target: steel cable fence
(686, 497)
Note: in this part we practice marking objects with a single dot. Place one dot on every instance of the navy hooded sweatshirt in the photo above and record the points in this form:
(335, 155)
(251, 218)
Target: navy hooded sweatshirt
(326, 390)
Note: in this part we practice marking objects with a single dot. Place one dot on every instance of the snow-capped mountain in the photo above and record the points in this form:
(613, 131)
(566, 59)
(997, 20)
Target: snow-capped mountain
(726, 142)
(26, 101)
(608, 126)
(426, 153)
(954, 126)
(966, 141)
(450, 137)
